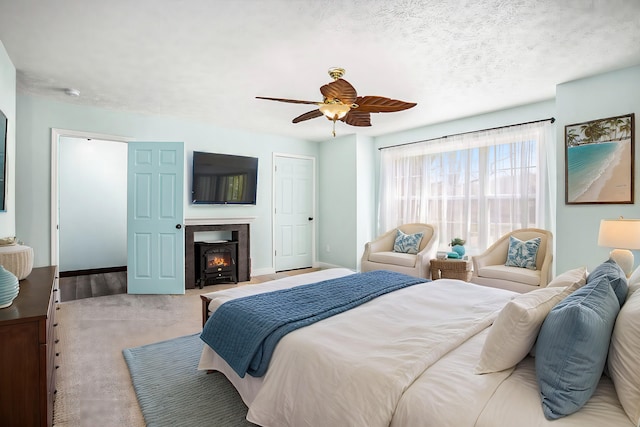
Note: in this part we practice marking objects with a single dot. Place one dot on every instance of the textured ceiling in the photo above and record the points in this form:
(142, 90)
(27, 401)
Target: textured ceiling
(206, 60)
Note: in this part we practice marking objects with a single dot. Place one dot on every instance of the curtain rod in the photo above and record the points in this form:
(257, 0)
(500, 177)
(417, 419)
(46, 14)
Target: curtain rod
(551, 119)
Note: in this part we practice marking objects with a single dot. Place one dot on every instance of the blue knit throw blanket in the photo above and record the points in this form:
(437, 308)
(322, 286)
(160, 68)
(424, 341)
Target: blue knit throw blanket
(245, 331)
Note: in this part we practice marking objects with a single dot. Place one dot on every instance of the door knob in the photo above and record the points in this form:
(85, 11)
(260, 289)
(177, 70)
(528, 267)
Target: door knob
(178, 226)
(310, 218)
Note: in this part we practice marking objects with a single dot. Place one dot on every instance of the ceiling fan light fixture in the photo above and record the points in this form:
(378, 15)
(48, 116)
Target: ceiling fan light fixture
(334, 111)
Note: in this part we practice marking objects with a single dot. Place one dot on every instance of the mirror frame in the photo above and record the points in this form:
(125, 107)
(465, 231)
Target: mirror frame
(4, 124)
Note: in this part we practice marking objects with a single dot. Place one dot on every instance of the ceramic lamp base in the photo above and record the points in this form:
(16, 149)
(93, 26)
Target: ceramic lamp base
(624, 258)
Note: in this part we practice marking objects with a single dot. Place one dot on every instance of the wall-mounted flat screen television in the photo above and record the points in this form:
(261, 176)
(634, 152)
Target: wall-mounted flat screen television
(224, 179)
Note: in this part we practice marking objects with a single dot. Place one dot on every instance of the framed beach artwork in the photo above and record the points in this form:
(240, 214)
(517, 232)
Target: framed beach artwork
(599, 164)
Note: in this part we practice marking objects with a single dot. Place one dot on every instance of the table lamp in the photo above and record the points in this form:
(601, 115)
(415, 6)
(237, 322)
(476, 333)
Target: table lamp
(622, 235)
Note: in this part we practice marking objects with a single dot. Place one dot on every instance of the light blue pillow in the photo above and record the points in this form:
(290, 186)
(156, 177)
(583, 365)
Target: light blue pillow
(407, 243)
(617, 279)
(522, 254)
(572, 348)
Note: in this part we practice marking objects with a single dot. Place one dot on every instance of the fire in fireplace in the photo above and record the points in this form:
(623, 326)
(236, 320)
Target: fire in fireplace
(217, 262)
(218, 259)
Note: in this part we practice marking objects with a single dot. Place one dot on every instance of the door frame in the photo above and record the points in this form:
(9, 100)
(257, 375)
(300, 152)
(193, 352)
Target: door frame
(56, 134)
(314, 228)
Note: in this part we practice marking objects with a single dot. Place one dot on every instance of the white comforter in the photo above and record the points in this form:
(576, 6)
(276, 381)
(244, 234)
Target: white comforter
(352, 369)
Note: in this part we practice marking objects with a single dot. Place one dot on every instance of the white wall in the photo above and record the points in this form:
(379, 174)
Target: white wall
(606, 95)
(36, 116)
(92, 190)
(8, 107)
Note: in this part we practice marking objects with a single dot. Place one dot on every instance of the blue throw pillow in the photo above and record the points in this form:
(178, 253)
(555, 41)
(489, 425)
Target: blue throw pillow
(572, 348)
(617, 279)
(522, 254)
(407, 243)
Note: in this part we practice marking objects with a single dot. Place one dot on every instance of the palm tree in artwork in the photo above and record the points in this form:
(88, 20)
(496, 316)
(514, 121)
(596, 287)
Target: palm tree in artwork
(595, 130)
(625, 128)
(614, 125)
(572, 137)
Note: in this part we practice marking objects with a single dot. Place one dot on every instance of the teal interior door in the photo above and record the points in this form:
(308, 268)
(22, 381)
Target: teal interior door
(155, 204)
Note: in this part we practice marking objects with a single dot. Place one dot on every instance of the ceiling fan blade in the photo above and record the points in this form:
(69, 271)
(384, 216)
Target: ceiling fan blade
(339, 89)
(379, 104)
(357, 118)
(309, 115)
(292, 101)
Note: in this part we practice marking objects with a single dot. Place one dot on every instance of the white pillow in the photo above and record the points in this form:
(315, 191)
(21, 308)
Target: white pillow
(516, 328)
(624, 368)
(633, 281)
(569, 278)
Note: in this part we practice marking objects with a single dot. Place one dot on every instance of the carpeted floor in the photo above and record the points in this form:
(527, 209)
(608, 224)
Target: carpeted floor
(93, 384)
(171, 392)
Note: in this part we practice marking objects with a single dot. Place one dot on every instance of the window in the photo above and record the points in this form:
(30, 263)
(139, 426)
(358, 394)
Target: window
(476, 186)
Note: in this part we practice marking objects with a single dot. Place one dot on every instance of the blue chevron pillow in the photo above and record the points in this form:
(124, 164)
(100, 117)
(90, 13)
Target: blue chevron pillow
(407, 243)
(522, 254)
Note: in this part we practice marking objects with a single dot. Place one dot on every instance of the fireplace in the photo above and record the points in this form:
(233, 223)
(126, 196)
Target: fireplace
(216, 261)
(239, 234)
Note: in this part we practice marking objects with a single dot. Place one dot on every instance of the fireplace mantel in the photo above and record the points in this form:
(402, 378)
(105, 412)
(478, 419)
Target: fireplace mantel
(217, 221)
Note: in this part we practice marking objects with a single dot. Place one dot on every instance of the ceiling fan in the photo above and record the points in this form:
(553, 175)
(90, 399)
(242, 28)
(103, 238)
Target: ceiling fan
(341, 102)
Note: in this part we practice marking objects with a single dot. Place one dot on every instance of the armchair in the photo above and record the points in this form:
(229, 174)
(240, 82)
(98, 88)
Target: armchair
(489, 268)
(379, 254)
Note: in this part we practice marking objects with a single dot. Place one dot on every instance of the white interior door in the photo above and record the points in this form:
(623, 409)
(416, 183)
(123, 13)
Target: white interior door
(294, 212)
(155, 204)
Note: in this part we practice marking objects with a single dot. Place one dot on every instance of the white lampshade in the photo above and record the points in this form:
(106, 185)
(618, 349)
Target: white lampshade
(621, 234)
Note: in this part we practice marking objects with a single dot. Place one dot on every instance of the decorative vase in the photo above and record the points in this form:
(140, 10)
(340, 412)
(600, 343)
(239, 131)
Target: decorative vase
(459, 249)
(9, 287)
(18, 259)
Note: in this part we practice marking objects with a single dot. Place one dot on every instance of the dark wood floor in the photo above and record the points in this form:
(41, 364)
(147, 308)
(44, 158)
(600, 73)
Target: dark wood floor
(93, 285)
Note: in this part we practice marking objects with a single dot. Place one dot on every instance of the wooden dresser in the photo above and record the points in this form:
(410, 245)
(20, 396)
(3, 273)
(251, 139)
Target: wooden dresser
(27, 351)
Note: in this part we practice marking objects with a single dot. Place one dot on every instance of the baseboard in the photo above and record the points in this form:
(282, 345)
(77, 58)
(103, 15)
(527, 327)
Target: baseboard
(73, 273)
(262, 271)
(325, 265)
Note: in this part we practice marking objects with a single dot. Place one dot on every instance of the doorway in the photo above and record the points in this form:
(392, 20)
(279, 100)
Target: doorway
(88, 211)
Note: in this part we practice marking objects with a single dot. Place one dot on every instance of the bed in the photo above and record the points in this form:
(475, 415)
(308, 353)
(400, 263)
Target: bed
(415, 356)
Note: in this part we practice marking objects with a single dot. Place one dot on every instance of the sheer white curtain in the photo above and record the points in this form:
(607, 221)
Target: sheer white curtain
(476, 186)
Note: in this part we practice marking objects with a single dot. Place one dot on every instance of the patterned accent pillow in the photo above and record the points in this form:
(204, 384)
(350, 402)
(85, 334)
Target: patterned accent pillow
(407, 243)
(522, 254)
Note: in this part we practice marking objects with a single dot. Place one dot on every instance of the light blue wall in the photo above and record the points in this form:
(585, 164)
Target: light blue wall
(347, 170)
(366, 193)
(347, 199)
(606, 95)
(337, 210)
(8, 107)
(36, 117)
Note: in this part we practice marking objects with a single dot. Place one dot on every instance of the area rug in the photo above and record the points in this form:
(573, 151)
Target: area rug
(172, 392)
